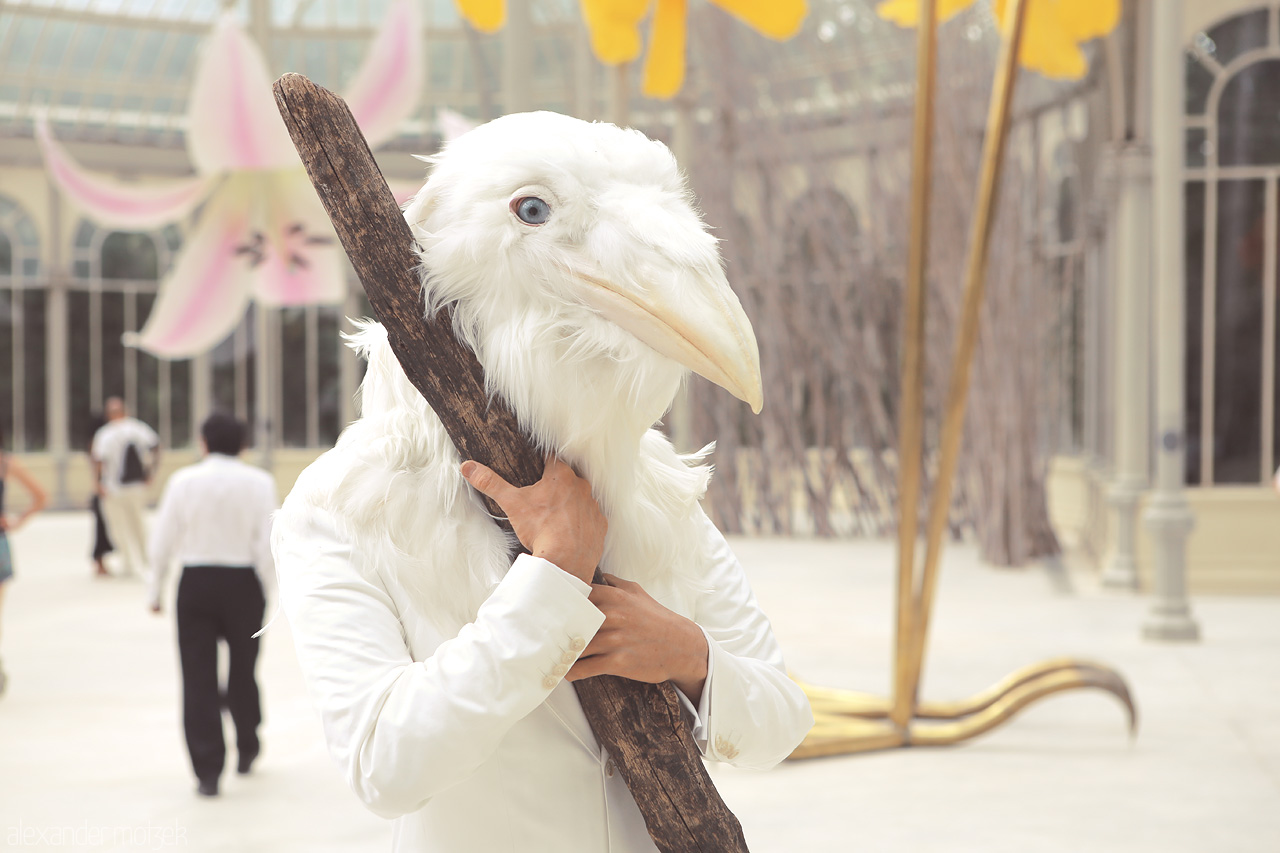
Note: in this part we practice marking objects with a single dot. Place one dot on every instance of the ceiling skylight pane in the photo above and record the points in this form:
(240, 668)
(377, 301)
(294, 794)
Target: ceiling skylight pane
(23, 44)
(57, 38)
(169, 9)
(148, 53)
(282, 12)
(204, 10)
(313, 13)
(184, 48)
(87, 47)
(115, 56)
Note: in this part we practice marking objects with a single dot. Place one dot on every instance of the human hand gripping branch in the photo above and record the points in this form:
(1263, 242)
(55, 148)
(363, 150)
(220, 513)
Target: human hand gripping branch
(559, 520)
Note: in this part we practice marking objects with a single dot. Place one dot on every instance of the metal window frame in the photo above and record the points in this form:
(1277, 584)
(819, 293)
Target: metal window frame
(1212, 174)
(95, 286)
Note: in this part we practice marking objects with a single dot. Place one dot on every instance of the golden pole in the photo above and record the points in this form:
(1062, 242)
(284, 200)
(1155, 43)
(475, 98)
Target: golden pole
(911, 411)
(850, 722)
(993, 149)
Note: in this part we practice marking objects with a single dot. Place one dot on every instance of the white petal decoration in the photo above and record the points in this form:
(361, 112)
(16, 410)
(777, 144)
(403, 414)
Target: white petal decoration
(388, 84)
(114, 203)
(204, 297)
(314, 278)
(303, 263)
(232, 120)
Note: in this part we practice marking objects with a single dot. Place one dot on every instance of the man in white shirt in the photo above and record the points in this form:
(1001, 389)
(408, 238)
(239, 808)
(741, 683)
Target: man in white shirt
(215, 521)
(125, 454)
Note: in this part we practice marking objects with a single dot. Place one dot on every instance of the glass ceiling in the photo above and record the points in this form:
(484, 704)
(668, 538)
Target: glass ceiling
(120, 70)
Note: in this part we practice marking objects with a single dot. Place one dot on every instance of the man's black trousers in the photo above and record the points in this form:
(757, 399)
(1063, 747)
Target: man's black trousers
(217, 602)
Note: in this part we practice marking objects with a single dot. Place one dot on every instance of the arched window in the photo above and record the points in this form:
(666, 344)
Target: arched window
(115, 277)
(1233, 218)
(822, 238)
(130, 255)
(22, 332)
(1062, 253)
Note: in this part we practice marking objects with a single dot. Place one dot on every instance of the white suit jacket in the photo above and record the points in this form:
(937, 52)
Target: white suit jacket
(473, 742)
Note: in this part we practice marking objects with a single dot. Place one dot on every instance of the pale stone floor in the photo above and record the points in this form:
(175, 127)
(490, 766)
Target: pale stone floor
(91, 748)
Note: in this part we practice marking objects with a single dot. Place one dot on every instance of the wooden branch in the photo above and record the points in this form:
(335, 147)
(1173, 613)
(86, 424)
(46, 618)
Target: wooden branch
(642, 726)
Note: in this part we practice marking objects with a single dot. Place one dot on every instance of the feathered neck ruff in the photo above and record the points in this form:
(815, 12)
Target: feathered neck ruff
(587, 396)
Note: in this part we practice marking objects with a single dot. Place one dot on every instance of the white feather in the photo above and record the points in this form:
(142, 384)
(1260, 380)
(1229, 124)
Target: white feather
(580, 386)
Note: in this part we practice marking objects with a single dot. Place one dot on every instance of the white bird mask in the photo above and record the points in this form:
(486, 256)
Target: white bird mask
(585, 281)
(579, 272)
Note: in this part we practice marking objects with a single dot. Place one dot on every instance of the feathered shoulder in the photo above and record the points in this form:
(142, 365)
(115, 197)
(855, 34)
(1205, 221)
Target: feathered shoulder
(392, 484)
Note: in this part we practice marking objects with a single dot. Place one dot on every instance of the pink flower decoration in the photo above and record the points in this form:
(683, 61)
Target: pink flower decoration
(263, 233)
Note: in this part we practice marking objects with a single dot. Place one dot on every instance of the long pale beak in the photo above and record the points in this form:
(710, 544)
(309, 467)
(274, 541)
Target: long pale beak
(694, 320)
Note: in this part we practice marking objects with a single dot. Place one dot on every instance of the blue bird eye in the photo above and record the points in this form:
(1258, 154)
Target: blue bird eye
(531, 210)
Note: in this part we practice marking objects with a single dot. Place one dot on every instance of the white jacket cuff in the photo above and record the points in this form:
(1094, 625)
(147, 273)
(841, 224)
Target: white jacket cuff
(702, 713)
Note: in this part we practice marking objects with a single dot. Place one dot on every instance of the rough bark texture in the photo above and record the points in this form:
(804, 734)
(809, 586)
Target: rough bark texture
(641, 725)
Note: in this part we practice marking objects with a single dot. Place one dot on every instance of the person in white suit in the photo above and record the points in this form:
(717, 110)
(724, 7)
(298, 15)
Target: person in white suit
(443, 670)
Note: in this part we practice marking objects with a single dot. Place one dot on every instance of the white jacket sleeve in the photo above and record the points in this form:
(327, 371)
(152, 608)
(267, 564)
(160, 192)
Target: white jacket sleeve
(751, 714)
(403, 730)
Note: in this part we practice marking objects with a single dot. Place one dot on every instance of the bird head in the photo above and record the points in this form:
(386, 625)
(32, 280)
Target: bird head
(580, 272)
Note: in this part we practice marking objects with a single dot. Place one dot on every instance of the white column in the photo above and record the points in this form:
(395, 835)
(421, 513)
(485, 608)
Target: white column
(1097, 391)
(517, 57)
(1092, 366)
(1168, 515)
(1105, 318)
(201, 393)
(266, 367)
(1132, 336)
(57, 390)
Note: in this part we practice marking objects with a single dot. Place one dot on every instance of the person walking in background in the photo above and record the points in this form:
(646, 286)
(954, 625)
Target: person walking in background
(10, 467)
(101, 539)
(215, 521)
(123, 476)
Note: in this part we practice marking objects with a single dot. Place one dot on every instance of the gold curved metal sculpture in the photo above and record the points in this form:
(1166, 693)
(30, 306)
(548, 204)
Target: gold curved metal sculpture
(848, 721)
(838, 732)
(851, 703)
